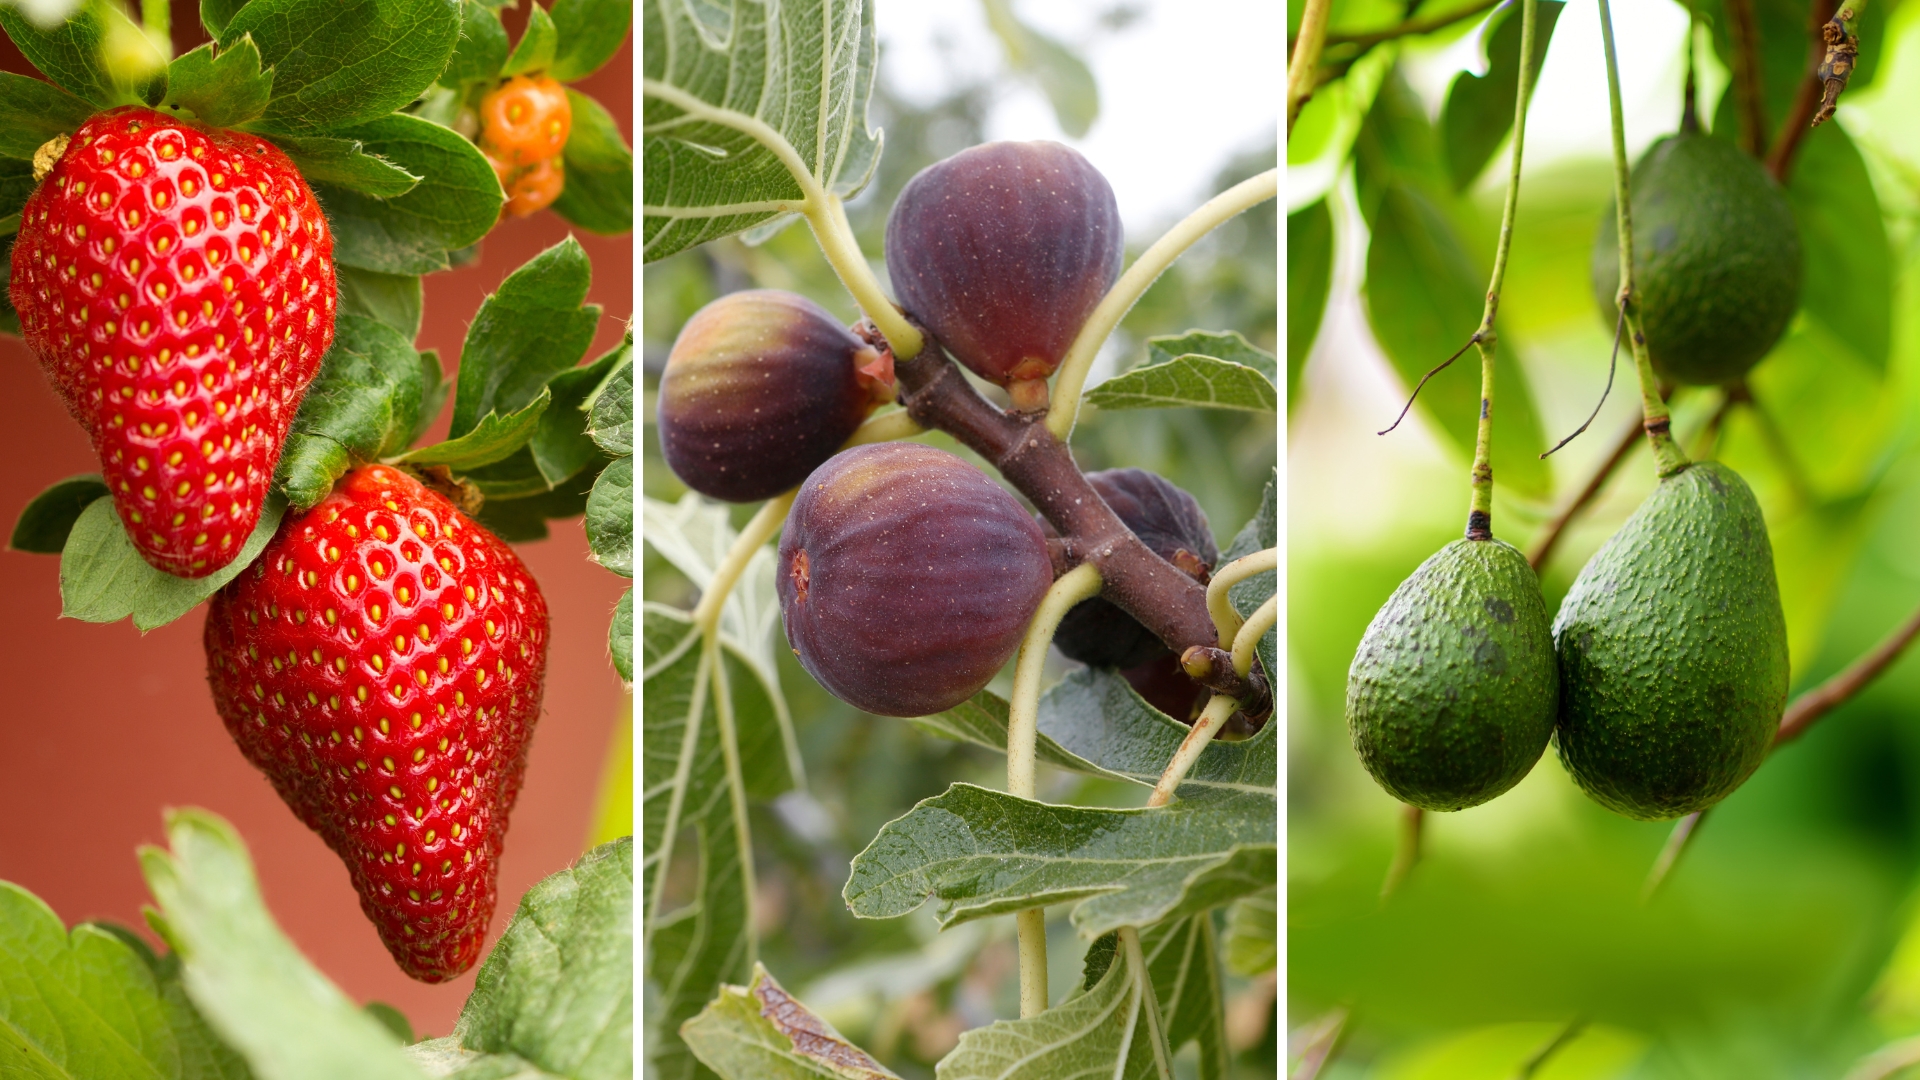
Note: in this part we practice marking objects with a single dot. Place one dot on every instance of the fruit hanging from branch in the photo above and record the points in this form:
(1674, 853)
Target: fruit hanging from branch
(177, 284)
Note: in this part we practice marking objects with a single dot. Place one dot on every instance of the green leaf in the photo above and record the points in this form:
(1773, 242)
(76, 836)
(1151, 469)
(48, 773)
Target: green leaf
(589, 33)
(557, 991)
(1106, 1031)
(390, 1018)
(620, 636)
(522, 518)
(103, 579)
(694, 535)
(96, 1003)
(364, 404)
(716, 83)
(610, 420)
(482, 49)
(1309, 280)
(16, 184)
(1096, 716)
(455, 204)
(982, 853)
(216, 14)
(68, 54)
(32, 111)
(1063, 77)
(348, 61)
(43, 526)
(1847, 279)
(610, 517)
(598, 195)
(1397, 145)
(493, 439)
(1253, 934)
(535, 48)
(562, 447)
(534, 327)
(982, 721)
(699, 940)
(1479, 111)
(252, 985)
(221, 90)
(393, 299)
(346, 164)
(1424, 298)
(1192, 379)
(759, 1032)
(1184, 962)
(515, 477)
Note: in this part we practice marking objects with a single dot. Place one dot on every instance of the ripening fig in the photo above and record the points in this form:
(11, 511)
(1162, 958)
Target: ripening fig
(761, 387)
(1716, 259)
(907, 578)
(1451, 696)
(1673, 651)
(1002, 251)
(1097, 632)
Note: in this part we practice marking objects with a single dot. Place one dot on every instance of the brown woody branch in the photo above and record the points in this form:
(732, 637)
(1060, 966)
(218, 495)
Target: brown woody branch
(1806, 100)
(1749, 94)
(1550, 539)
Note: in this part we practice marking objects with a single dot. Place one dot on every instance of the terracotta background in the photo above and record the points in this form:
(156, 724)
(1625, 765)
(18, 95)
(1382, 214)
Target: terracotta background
(101, 727)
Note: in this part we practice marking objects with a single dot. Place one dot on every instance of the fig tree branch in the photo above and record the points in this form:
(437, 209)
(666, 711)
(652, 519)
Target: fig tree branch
(1133, 283)
(1549, 538)
(1305, 63)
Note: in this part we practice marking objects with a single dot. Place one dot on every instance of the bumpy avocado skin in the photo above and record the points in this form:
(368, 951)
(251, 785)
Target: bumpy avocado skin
(1673, 651)
(1716, 259)
(1451, 696)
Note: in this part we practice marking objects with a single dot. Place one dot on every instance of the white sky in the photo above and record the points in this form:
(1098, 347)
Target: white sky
(1184, 87)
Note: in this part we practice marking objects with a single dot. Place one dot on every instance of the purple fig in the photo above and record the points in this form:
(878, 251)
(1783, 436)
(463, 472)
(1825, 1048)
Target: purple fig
(1002, 251)
(761, 387)
(907, 578)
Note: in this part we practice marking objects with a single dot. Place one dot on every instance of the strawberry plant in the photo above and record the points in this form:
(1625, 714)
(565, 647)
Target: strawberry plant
(216, 257)
(1099, 870)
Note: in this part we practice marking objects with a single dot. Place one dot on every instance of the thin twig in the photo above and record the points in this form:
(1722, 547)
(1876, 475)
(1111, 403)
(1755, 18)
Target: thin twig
(1806, 99)
(1566, 1035)
(1670, 853)
(1707, 440)
(1777, 445)
(1406, 851)
(1312, 1046)
(1437, 369)
(1548, 540)
(1749, 99)
(1613, 361)
(1306, 57)
(1836, 691)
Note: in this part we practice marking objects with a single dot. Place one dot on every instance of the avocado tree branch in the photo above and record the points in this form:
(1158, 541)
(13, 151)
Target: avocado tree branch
(1809, 100)
(1749, 95)
(1305, 62)
(1670, 853)
(1549, 538)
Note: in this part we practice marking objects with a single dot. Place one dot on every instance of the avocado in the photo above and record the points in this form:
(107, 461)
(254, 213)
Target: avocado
(1451, 696)
(1673, 651)
(1716, 259)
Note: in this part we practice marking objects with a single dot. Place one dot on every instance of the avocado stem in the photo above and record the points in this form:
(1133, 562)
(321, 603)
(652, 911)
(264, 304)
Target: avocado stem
(1406, 851)
(1669, 459)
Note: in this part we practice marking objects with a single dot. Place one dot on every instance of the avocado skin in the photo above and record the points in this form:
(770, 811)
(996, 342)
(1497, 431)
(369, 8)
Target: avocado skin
(1716, 259)
(1673, 651)
(1450, 699)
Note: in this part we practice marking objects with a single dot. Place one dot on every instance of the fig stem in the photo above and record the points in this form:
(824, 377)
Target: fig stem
(827, 215)
(887, 427)
(1304, 66)
(1480, 501)
(1030, 927)
(1668, 457)
(1249, 635)
(1149, 1005)
(1133, 283)
(765, 522)
(1219, 709)
(1226, 620)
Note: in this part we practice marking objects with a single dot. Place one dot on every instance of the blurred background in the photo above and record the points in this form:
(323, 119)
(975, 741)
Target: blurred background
(1787, 941)
(103, 727)
(1173, 102)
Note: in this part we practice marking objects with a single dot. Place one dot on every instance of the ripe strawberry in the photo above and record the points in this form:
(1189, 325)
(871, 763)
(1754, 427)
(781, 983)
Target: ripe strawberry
(382, 664)
(177, 284)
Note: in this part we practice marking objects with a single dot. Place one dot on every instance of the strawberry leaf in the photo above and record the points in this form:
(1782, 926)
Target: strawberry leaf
(393, 299)
(598, 195)
(562, 447)
(620, 636)
(451, 208)
(221, 90)
(610, 517)
(520, 518)
(482, 50)
(610, 420)
(67, 54)
(103, 579)
(590, 32)
(346, 164)
(535, 50)
(43, 526)
(248, 980)
(32, 111)
(338, 63)
(532, 328)
(216, 14)
(364, 404)
(494, 438)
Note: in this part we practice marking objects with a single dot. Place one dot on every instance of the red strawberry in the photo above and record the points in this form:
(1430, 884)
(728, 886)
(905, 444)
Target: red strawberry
(177, 284)
(382, 664)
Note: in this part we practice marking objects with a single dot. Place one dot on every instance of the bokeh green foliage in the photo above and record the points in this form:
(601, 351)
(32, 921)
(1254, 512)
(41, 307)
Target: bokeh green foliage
(1785, 944)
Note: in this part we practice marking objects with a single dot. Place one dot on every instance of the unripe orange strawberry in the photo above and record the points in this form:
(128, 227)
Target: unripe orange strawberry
(177, 284)
(534, 188)
(382, 663)
(525, 120)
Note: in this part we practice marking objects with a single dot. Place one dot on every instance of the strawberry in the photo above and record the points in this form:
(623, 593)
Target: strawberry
(532, 188)
(382, 663)
(177, 284)
(525, 120)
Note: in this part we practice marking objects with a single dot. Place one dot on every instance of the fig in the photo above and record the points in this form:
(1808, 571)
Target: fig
(1002, 251)
(760, 388)
(1097, 632)
(907, 578)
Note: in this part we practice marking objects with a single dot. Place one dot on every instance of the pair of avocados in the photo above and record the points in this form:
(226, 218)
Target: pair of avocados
(1663, 677)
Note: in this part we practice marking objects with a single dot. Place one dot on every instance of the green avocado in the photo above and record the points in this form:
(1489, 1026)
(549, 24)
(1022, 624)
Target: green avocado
(1673, 651)
(1451, 696)
(1716, 259)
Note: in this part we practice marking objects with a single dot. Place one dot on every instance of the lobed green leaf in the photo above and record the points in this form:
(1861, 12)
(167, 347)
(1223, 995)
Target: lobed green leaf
(103, 579)
(759, 1032)
(1104, 1031)
(43, 526)
(1221, 371)
(1253, 934)
(1184, 964)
